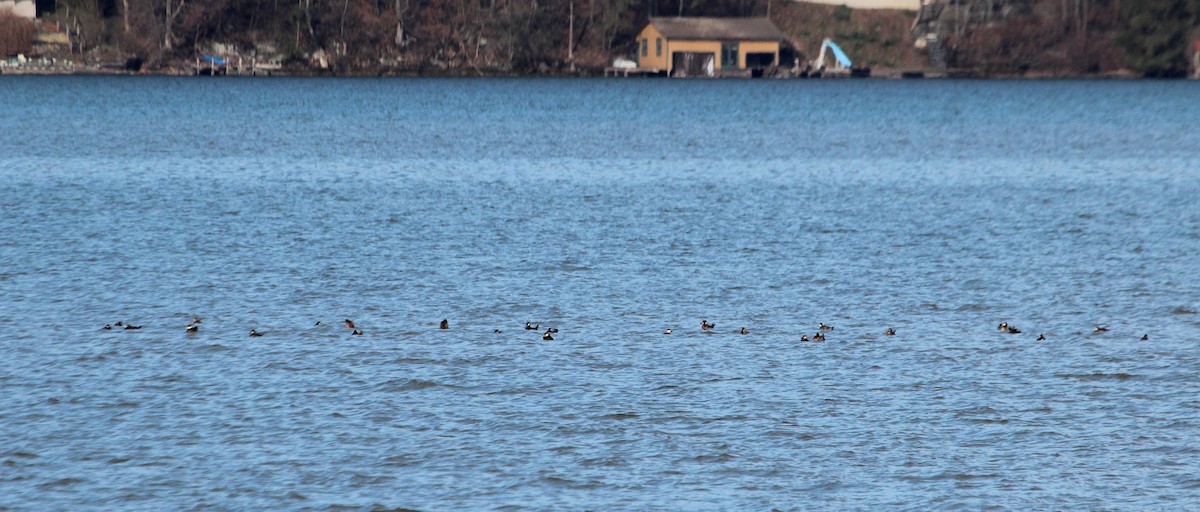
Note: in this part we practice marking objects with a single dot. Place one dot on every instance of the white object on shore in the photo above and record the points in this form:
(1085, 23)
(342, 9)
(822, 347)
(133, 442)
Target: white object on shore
(620, 63)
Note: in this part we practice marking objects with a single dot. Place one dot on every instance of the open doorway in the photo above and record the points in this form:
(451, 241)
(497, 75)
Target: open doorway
(685, 64)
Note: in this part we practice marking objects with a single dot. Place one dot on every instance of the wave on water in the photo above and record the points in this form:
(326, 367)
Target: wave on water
(60, 483)
(401, 385)
(1096, 376)
(618, 416)
(376, 507)
(955, 476)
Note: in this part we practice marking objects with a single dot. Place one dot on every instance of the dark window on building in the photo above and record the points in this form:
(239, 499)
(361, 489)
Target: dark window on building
(658, 47)
(729, 55)
(760, 60)
(645, 47)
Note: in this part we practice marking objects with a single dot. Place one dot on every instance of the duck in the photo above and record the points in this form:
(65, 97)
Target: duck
(254, 333)
(818, 337)
(357, 332)
(1145, 337)
(889, 332)
(668, 331)
(1013, 330)
(196, 320)
(530, 327)
(803, 337)
(552, 330)
(108, 327)
(824, 327)
(1100, 328)
(192, 328)
(1002, 327)
(318, 324)
(119, 324)
(744, 331)
(1041, 337)
(349, 324)
(495, 331)
(444, 325)
(547, 337)
(704, 325)
(127, 326)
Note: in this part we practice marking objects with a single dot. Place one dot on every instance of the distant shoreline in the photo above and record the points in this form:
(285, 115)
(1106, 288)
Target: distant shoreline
(884, 74)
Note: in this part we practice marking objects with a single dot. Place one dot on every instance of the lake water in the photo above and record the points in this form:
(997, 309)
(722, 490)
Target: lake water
(610, 210)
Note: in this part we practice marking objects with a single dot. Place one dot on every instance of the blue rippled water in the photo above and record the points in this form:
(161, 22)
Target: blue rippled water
(611, 210)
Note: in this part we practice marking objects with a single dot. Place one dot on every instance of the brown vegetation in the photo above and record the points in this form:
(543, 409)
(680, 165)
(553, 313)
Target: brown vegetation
(990, 37)
(871, 38)
(1052, 37)
(16, 34)
(463, 36)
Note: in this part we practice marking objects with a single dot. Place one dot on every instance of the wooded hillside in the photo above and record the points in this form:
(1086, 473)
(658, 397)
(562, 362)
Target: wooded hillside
(1054, 37)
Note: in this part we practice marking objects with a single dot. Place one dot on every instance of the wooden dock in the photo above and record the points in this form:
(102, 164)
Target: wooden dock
(628, 72)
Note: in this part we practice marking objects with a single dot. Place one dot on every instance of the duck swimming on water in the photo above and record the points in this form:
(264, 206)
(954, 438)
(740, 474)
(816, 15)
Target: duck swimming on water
(668, 331)
(889, 332)
(704, 325)
(348, 323)
(547, 337)
(824, 327)
(744, 331)
(444, 325)
(819, 337)
(254, 333)
(1100, 328)
(357, 332)
(1041, 337)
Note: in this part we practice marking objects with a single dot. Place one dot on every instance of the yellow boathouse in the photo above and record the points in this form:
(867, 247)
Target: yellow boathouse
(708, 46)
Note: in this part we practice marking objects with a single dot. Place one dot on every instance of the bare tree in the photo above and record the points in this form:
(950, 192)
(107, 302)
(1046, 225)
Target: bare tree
(169, 16)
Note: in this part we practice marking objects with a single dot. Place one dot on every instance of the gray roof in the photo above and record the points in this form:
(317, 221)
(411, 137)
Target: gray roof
(744, 29)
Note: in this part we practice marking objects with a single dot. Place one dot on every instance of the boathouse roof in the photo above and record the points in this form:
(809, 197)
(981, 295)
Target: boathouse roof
(743, 29)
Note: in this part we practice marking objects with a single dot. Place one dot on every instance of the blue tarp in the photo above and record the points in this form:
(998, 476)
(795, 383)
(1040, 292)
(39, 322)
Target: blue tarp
(837, 52)
(213, 59)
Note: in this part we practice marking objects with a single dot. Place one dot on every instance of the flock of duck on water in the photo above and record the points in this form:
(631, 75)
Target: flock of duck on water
(822, 328)
(1004, 327)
